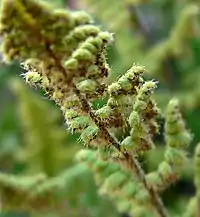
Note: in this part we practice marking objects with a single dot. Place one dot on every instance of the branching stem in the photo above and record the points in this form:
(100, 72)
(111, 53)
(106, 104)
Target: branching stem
(131, 161)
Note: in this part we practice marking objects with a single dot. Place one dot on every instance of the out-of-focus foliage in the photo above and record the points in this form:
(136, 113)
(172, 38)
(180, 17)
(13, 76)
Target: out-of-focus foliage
(163, 35)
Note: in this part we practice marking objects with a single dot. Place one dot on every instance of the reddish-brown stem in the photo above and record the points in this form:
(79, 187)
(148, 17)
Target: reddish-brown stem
(131, 161)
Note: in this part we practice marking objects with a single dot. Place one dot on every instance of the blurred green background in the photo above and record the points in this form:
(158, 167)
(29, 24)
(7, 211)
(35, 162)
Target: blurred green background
(163, 35)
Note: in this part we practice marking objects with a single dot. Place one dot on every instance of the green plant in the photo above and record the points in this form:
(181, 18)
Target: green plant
(64, 53)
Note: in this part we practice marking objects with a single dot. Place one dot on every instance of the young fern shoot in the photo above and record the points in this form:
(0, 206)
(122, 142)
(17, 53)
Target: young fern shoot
(64, 53)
